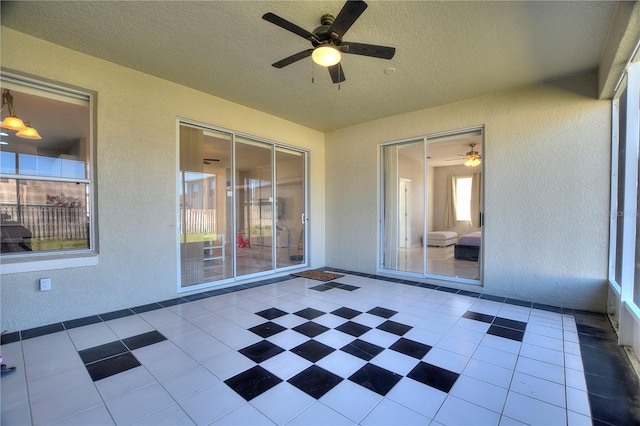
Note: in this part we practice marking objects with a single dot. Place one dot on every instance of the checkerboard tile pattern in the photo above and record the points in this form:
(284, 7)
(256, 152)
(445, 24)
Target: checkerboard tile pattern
(356, 350)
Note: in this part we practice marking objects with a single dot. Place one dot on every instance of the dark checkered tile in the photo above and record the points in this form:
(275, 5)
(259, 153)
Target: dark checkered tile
(347, 313)
(310, 329)
(309, 313)
(394, 327)
(261, 351)
(347, 287)
(267, 329)
(509, 323)
(252, 382)
(142, 340)
(507, 333)
(361, 349)
(433, 376)
(271, 313)
(410, 348)
(382, 312)
(353, 328)
(321, 287)
(312, 350)
(478, 317)
(108, 367)
(315, 381)
(376, 379)
(103, 351)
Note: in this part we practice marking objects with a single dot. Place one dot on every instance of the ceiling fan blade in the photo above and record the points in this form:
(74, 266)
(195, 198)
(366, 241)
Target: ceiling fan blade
(347, 16)
(383, 52)
(289, 26)
(337, 74)
(293, 58)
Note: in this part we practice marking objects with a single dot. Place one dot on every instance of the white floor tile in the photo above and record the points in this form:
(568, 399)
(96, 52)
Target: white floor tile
(243, 416)
(489, 373)
(282, 403)
(447, 360)
(190, 382)
(139, 404)
(418, 397)
(541, 389)
(64, 405)
(228, 365)
(320, 414)
(459, 412)
(554, 343)
(96, 416)
(286, 364)
(379, 337)
(496, 357)
(575, 379)
(480, 393)
(173, 415)
(289, 339)
(578, 401)
(120, 384)
(542, 354)
(458, 346)
(533, 411)
(51, 386)
(502, 344)
(129, 326)
(341, 363)
(542, 370)
(388, 413)
(351, 400)
(462, 333)
(395, 361)
(92, 335)
(576, 419)
(334, 338)
(212, 404)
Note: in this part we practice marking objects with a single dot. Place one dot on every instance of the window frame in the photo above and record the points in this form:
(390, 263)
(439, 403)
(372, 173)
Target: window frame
(63, 258)
(624, 169)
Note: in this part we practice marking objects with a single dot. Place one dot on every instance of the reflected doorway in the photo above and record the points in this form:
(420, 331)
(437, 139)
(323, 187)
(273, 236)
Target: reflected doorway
(432, 206)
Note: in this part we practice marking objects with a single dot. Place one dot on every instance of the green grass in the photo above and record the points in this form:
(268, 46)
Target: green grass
(58, 244)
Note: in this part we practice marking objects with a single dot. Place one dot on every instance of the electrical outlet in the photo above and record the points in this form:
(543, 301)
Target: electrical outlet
(45, 284)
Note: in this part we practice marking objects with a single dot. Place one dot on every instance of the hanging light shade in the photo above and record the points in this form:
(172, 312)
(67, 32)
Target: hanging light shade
(326, 55)
(473, 158)
(12, 122)
(472, 161)
(28, 132)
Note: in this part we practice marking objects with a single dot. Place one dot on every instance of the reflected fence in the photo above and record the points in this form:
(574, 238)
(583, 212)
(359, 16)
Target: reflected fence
(49, 222)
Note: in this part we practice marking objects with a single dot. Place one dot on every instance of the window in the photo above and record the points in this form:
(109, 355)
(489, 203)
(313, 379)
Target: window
(463, 198)
(45, 184)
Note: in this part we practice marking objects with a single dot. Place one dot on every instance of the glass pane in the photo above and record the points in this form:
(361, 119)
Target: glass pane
(43, 216)
(255, 207)
(454, 207)
(290, 207)
(622, 154)
(403, 210)
(64, 127)
(206, 229)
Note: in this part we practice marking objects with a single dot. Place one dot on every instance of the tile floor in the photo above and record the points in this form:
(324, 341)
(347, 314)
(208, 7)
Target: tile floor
(358, 350)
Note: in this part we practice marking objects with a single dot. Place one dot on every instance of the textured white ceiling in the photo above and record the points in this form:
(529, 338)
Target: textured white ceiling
(446, 50)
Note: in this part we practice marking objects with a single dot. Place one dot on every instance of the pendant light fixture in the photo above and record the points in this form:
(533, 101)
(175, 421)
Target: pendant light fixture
(13, 122)
(473, 158)
(326, 55)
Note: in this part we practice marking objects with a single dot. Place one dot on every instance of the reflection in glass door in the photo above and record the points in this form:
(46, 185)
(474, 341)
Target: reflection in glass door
(254, 206)
(205, 210)
(431, 204)
(234, 222)
(403, 210)
(290, 207)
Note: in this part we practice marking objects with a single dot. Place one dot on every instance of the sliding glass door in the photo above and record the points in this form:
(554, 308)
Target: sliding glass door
(431, 204)
(242, 207)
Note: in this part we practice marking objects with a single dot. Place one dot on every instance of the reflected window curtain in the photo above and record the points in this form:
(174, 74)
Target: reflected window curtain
(391, 183)
(476, 194)
(191, 253)
(450, 206)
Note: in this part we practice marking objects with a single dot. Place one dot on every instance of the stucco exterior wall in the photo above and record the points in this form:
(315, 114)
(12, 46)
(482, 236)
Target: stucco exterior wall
(546, 168)
(137, 160)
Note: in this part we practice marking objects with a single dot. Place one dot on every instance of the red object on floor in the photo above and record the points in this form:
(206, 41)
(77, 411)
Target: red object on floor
(242, 243)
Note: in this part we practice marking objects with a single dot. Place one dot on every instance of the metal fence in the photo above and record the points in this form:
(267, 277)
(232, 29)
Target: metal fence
(198, 221)
(49, 222)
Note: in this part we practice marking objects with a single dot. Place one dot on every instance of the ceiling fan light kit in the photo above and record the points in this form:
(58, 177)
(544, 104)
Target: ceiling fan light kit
(473, 158)
(12, 122)
(326, 55)
(327, 40)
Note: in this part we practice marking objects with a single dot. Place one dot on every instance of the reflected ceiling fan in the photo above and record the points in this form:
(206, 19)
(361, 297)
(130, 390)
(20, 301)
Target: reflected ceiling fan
(327, 40)
(472, 158)
(210, 160)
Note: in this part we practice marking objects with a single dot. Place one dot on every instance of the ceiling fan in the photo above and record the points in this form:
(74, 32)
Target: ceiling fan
(210, 160)
(327, 40)
(472, 158)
